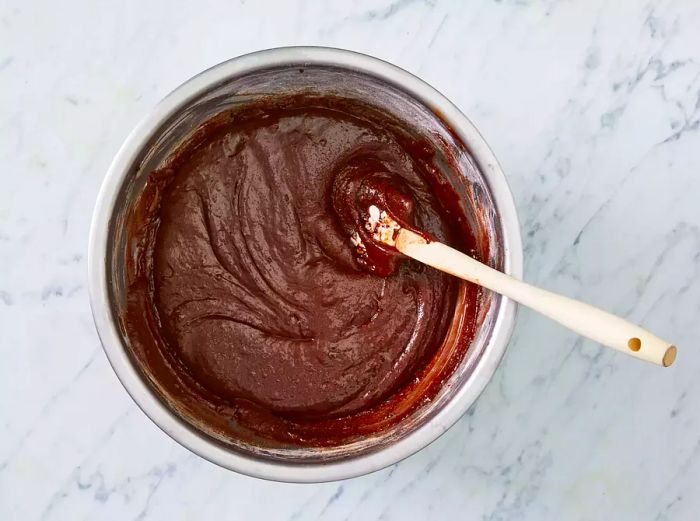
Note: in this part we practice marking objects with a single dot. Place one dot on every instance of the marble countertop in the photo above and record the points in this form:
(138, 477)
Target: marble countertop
(593, 108)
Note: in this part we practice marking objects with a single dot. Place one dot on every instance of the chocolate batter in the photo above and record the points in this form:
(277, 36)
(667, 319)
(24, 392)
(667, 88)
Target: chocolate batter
(249, 307)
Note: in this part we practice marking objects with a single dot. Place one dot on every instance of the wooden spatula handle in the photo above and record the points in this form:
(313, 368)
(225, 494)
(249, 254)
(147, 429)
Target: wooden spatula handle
(598, 325)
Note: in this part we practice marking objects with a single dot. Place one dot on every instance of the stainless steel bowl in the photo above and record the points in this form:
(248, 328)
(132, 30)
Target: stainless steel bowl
(288, 70)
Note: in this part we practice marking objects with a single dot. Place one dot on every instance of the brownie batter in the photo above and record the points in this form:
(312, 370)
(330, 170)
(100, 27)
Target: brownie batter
(251, 308)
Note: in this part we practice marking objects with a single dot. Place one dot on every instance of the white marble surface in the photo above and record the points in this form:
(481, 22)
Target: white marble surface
(593, 108)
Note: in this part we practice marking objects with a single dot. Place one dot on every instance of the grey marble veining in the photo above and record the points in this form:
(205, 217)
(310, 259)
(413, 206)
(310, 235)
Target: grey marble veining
(593, 108)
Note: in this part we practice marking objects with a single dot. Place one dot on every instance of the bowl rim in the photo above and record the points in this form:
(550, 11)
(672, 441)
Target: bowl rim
(111, 339)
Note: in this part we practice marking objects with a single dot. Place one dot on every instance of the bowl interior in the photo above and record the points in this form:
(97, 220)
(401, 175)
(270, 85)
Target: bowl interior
(453, 158)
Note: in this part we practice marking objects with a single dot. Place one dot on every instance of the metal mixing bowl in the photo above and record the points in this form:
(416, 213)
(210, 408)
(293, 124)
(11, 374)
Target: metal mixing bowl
(465, 156)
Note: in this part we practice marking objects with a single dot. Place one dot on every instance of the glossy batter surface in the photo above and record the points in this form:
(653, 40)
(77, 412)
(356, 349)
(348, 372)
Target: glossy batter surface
(263, 314)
